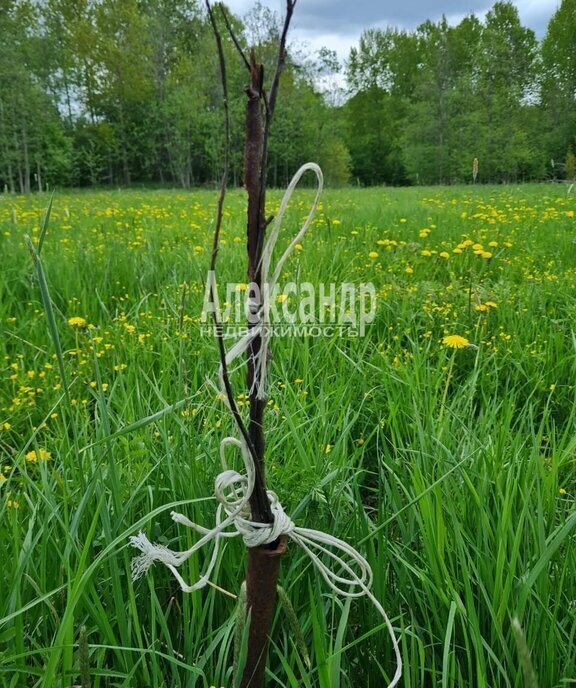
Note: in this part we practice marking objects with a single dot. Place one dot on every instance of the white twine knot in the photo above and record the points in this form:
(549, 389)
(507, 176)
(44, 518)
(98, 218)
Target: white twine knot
(349, 574)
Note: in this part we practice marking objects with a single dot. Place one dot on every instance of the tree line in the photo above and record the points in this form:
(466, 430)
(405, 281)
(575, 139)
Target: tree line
(121, 92)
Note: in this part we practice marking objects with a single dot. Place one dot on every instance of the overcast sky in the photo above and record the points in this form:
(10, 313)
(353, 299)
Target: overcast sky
(337, 24)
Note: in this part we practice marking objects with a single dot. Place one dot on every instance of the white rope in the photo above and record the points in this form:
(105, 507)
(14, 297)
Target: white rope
(269, 283)
(350, 574)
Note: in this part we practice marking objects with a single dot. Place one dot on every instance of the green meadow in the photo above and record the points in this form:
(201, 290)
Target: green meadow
(441, 445)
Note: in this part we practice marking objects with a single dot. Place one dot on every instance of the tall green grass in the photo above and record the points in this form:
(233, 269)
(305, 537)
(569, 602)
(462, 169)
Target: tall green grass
(452, 471)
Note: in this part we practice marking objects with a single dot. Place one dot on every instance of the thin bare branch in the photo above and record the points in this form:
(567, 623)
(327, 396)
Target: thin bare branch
(233, 37)
(224, 180)
(217, 228)
(270, 106)
(281, 61)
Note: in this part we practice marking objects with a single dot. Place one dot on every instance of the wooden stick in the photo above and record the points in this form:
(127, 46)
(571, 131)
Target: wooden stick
(264, 562)
(255, 185)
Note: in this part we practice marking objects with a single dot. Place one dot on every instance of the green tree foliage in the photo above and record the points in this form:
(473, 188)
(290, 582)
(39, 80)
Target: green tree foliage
(507, 86)
(559, 80)
(441, 123)
(122, 91)
(571, 165)
(382, 73)
(34, 149)
(128, 91)
(436, 98)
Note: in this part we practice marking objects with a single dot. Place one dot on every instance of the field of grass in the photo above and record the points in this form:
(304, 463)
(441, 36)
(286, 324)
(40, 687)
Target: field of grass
(452, 470)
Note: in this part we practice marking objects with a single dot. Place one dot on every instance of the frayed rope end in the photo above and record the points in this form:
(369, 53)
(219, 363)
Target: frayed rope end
(141, 564)
(151, 553)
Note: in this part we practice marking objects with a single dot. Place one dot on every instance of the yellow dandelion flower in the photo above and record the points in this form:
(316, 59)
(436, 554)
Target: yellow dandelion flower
(38, 455)
(373, 254)
(328, 449)
(455, 341)
(486, 254)
(444, 255)
(425, 253)
(77, 321)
